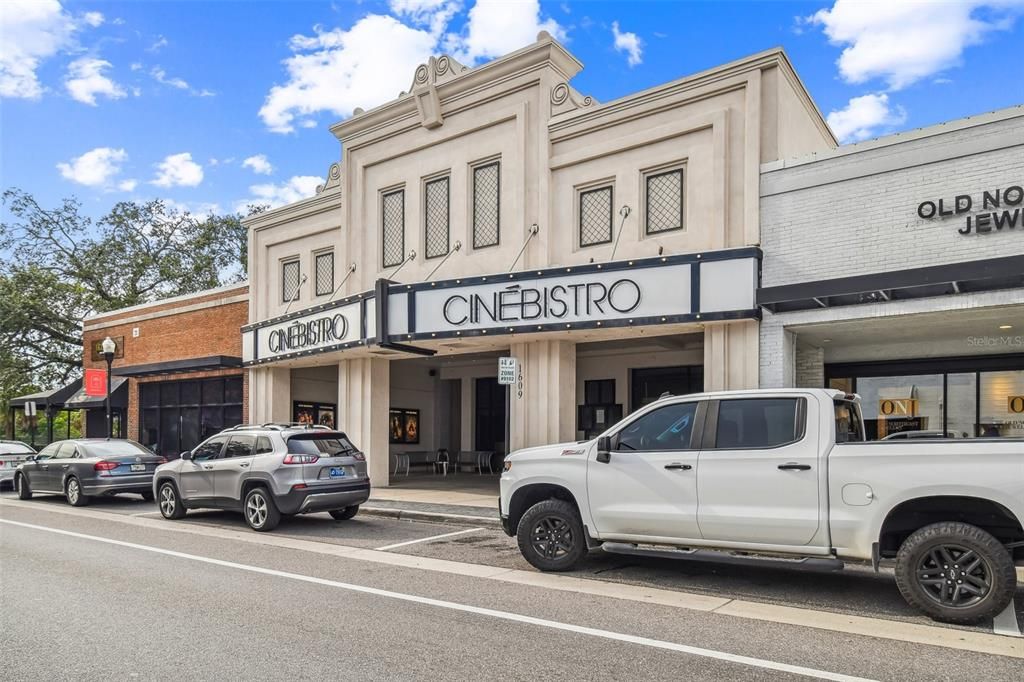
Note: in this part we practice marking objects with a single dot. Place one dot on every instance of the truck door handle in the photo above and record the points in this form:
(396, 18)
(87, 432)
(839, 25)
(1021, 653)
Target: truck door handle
(244, 464)
(209, 467)
(677, 465)
(793, 466)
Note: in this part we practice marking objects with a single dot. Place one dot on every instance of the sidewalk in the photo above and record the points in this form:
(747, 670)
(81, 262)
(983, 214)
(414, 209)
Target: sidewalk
(413, 506)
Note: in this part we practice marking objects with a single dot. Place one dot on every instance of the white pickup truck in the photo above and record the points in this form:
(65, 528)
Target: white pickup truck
(780, 476)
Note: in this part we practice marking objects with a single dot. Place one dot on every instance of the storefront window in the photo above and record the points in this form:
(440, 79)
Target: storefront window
(894, 405)
(1001, 404)
(986, 404)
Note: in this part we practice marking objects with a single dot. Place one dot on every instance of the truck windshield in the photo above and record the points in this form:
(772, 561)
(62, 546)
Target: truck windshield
(849, 427)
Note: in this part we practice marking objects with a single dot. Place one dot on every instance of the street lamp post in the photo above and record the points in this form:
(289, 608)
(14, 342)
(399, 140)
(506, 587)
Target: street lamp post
(108, 354)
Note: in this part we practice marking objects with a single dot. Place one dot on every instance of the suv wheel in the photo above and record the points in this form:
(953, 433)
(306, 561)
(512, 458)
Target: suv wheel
(73, 491)
(955, 573)
(551, 537)
(170, 506)
(22, 486)
(260, 511)
(344, 514)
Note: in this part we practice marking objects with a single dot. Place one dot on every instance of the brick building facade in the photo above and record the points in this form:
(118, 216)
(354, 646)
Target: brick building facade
(179, 362)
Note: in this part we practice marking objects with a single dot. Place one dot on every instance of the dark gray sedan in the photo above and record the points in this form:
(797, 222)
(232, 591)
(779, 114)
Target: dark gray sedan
(88, 467)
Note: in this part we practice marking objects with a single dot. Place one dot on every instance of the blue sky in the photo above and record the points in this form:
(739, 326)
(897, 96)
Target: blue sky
(213, 105)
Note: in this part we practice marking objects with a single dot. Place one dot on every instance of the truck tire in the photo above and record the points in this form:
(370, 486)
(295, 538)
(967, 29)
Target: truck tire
(551, 537)
(955, 573)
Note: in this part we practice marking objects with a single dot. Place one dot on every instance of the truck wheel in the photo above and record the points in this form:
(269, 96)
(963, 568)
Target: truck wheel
(955, 573)
(550, 536)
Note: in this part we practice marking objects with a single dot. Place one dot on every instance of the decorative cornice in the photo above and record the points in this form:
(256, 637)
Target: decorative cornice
(565, 98)
(437, 70)
(333, 178)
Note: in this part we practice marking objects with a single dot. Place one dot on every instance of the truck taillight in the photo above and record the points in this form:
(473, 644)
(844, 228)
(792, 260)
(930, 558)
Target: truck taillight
(104, 466)
(301, 459)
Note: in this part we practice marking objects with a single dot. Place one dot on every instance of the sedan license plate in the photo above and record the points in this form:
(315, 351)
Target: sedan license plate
(337, 472)
(138, 467)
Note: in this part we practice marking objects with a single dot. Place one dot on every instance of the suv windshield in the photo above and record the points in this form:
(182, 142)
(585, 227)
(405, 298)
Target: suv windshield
(849, 428)
(322, 444)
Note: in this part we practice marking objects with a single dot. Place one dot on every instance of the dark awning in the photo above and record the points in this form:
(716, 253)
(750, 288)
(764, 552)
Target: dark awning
(118, 397)
(179, 366)
(53, 397)
(896, 285)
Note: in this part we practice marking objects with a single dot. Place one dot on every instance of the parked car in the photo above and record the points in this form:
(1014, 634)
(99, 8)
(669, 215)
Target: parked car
(266, 472)
(12, 453)
(783, 477)
(84, 468)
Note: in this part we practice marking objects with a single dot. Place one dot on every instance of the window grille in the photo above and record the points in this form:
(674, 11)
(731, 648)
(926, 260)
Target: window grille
(436, 213)
(393, 227)
(486, 193)
(664, 201)
(596, 216)
(325, 273)
(289, 280)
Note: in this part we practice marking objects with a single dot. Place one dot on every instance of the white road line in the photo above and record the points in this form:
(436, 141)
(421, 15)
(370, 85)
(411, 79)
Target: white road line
(454, 606)
(1006, 622)
(430, 539)
(154, 513)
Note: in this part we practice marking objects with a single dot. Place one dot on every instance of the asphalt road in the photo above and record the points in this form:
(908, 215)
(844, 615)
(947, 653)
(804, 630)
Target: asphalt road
(91, 594)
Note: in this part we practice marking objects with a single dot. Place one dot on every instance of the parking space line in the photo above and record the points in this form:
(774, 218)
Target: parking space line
(866, 626)
(149, 513)
(430, 539)
(701, 652)
(1006, 622)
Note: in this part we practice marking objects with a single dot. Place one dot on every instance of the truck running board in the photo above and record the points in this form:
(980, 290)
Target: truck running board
(803, 563)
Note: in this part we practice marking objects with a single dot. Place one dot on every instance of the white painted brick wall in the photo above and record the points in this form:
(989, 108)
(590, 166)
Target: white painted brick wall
(869, 224)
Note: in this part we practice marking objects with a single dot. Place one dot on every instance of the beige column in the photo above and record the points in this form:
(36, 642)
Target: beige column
(544, 410)
(730, 356)
(270, 395)
(467, 420)
(364, 388)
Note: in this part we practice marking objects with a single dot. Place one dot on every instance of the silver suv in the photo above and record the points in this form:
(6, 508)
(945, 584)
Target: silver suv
(265, 472)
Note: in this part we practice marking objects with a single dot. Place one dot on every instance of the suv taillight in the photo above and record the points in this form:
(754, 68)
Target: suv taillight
(300, 459)
(104, 466)
(358, 456)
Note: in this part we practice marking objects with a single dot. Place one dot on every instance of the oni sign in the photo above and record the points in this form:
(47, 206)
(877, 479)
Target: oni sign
(95, 382)
(897, 407)
(1015, 404)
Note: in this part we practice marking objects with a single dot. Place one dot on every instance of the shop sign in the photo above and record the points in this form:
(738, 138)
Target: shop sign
(97, 348)
(1015, 404)
(998, 209)
(95, 382)
(506, 371)
(897, 407)
(318, 330)
(30, 408)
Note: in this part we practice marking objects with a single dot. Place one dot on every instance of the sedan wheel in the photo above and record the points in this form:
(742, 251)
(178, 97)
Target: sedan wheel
(21, 484)
(73, 491)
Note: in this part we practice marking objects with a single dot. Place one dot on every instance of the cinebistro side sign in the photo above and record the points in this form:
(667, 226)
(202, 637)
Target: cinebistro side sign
(996, 210)
(316, 331)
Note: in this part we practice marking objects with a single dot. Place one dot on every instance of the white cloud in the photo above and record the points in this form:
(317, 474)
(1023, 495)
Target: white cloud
(864, 116)
(296, 188)
(178, 170)
(127, 185)
(904, 41)
(30, 32)
(338, 70)
(497, 27)
(118, 22)
(628, 42)
(136, 66)
(85, 80)
(94, 168)
(160, 76)
(258, 164)
(433, 13)
(159, 44)
(94, 19)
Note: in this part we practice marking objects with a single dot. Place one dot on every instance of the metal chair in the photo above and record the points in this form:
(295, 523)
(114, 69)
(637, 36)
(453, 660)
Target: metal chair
(401, 461)
(442, 461)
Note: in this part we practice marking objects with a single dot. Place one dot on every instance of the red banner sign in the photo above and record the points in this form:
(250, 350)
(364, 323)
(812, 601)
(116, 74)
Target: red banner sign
(96, 382)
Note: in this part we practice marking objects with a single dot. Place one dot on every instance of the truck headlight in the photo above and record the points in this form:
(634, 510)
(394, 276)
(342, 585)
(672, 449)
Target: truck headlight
(507, 466)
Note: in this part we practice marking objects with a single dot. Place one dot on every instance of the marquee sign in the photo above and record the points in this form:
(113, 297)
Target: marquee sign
(319, 329)
(705, 287)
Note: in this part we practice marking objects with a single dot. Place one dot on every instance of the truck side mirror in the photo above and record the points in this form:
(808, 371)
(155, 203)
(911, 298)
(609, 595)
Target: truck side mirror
(187, 455)
(604, 448)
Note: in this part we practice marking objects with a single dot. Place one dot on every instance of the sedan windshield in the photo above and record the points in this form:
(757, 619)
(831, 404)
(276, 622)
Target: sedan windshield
(114, 448)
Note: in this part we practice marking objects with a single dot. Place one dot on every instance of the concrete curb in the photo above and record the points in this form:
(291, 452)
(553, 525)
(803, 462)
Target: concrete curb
(432, 517)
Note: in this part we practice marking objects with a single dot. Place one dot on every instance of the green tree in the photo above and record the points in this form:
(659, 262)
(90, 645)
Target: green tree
(58, 267)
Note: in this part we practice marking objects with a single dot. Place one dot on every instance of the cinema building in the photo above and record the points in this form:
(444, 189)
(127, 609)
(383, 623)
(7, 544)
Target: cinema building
(895, 268)
(611, 248)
